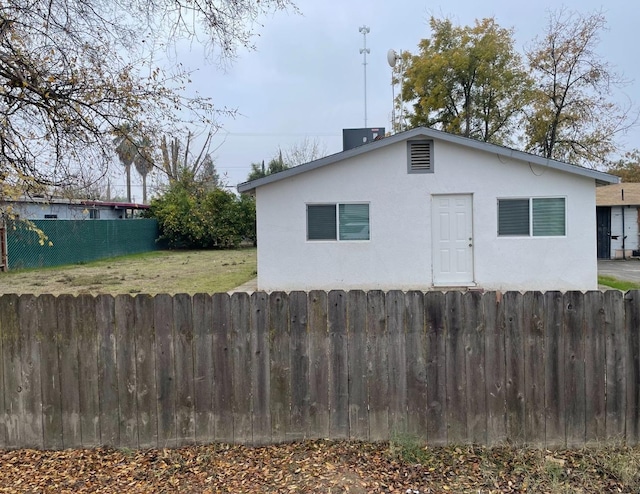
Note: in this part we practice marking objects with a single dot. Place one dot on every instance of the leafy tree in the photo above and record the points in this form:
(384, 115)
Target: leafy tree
(257, 171)
(72, 72)
(628, 167)
(467, 80)
(208, 175)
(572, 116)
(190, 215)
(276, 165)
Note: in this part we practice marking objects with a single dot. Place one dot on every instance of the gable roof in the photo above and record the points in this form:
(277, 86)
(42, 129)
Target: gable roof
(601, 178)
(625, 194)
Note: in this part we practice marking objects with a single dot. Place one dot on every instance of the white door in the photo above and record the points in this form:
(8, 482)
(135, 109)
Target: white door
(452, 234)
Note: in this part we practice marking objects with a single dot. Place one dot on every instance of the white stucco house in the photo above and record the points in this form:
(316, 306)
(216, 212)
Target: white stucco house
(618, 218)
(424, 209)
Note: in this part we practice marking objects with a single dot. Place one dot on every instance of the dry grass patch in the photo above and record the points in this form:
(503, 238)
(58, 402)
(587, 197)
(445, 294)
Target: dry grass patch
(170, 272)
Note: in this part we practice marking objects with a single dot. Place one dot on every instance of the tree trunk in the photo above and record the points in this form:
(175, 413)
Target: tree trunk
(128, 168)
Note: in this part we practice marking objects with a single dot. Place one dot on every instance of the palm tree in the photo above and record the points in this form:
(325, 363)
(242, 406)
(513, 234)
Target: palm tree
(126, 150)
(143, 163)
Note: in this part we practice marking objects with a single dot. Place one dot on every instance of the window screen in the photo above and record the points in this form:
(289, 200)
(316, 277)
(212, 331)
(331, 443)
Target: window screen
(354, 221)
(548, 217)
(513, 217)
(321, 222)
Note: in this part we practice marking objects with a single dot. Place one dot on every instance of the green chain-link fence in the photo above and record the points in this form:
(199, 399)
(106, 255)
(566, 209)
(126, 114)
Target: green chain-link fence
(76, 241)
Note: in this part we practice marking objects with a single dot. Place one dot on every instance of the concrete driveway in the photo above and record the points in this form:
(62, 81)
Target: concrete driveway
(623, 270)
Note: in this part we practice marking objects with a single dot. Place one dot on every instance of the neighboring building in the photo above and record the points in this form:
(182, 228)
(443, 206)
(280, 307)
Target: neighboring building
(41, 208)
(618, 215)
(424, 209)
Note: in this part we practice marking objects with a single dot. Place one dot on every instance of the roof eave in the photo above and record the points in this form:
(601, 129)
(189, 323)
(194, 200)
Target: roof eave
(601, 178)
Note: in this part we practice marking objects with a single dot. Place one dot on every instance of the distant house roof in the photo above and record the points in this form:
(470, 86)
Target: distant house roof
(76, 202)
(625, 194)
(601, 178)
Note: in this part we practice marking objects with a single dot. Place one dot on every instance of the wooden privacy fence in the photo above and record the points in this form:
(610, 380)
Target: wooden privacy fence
(545, 369)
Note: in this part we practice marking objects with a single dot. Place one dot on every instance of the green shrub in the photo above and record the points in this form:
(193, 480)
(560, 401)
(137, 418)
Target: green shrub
(195, 217)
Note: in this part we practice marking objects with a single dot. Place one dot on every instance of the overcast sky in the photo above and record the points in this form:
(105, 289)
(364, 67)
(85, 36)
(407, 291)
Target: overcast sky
(306, 76)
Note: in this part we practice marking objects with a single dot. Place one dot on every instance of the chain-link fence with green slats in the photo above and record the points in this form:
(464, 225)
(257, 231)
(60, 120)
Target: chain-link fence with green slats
(76, 241)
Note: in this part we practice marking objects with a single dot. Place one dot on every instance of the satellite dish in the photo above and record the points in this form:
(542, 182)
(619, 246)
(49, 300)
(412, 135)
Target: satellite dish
(392, 57)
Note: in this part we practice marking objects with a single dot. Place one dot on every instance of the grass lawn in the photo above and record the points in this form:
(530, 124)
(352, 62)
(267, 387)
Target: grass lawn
(612, 282)
(201, 271)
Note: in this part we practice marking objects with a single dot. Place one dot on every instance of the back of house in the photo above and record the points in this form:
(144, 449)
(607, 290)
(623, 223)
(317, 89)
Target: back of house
(423, 210)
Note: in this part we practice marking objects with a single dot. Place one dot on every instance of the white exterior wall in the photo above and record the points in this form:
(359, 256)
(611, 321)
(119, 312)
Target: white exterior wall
(34, 211)
(630, 228)
(398, 256)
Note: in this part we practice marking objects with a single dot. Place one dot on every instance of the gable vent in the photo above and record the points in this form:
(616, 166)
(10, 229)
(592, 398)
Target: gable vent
(420, 156)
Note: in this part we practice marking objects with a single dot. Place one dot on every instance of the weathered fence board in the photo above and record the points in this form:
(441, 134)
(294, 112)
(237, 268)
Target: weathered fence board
(574, 369)
(222, 375)
(615, 353)
(12, 370)
(165, 371)
(357, 359)
(318, 364)
(144, 333)
(416, 363)
(299, 375)
(377, 365)
(241, 361)
(126, 364)
(555, 431)
(514, 356)
(456, 371)
(260, 365)
(397, 363)
(68, 328)
(544, 369)
(31, 398)
(495, 368)
(85, 323)
(50, 378)
(534, 360)
(185, 406)
(203, 368)
(435, 314)
(632, 300)
(3, 424)
(107, 370)
(595, 369)
(474, 347)
(338, 368)
(280, 391)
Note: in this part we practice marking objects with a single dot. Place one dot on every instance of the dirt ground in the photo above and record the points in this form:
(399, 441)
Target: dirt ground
(154, 272)
(323, 467)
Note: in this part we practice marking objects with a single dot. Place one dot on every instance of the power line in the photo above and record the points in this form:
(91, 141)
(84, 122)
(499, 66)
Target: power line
(270, 134)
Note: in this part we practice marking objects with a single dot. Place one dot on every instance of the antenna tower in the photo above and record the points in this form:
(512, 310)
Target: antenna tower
(365, 51)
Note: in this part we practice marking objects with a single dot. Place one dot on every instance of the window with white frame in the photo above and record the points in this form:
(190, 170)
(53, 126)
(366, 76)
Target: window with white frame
(537, 217)
(338, 221)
